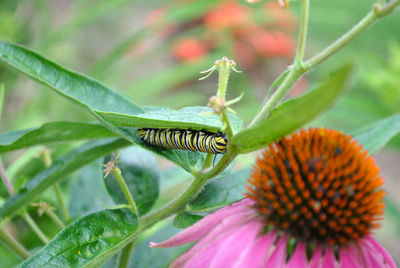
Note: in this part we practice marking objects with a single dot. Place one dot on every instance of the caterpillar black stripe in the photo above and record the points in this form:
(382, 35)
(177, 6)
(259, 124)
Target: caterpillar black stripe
(185, 139)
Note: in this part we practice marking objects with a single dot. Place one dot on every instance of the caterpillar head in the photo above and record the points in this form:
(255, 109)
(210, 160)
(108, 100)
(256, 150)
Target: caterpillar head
(221, 139)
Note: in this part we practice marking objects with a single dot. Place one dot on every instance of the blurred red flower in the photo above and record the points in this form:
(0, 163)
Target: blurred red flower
(189, 49)
(228, 14)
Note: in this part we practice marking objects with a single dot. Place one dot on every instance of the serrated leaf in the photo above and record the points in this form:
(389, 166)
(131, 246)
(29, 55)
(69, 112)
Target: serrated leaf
(88, 241)
(60, 168)
(141, 174)
(52, 132)
(108, 106)
(375, 136)
(294, 113)
(88, 193)
(184, 219)
(221, 192)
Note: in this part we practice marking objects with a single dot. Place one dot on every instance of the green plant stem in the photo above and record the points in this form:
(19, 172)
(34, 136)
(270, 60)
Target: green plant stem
(223, 77)
(53, 216)
(126, 255)
(61, 203)
(201, 178)
(5, 179)
(207, 161)
(228, 128)
(222, 164)
(301, 43)
(46, 156)
(177, 204)
(299, 69)
(376, 13)
(35, 228)
(280, 92)
(13, 244)
(132, 205)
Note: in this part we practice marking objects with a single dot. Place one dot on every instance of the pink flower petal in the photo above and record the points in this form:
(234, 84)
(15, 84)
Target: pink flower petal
(329, 261)
(316, 259)
(256, 255)
(378, 247)
(278, 257)
(236, 213)
(230, 252)
(299, 257)
(371, 258)
(219, 231)
(349, 257)
(232, 240)
(202, 258)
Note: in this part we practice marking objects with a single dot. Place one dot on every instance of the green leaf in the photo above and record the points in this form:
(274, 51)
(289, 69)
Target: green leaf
(221, 192)
(60, 168)
(145, 257)
(84, 91)
(196, 117)
(141, 174)
(88, 193)
(375, 136)
(88, 241)
(294, 113)
(110, 107)
(52, 132)
(276, 83)
(184, 219)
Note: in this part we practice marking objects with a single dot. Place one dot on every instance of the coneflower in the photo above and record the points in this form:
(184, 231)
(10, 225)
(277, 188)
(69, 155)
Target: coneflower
(313, 200)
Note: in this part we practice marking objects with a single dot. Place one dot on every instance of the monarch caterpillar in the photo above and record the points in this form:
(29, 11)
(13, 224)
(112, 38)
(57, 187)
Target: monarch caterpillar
(185, 139)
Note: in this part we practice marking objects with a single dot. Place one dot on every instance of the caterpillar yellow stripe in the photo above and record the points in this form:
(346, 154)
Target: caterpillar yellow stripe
(185, 139)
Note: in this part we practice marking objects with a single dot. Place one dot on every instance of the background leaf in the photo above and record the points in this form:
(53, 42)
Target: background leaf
(376, 135)
(55, 173)
(221, 192)
(144, 257)
(88, 241)
(184, 219)
(52, 132)
(294, 113)
(88, 193)
(141, 174)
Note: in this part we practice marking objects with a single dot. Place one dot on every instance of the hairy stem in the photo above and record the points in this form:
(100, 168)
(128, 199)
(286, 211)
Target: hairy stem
(298, 70)
(5, 179)
(201, 178)
(35, 228)
(13, 244)
(207, 161)
(132, 205)
(281, 92)
(177, 204)
(126, 255)
(228, 128)
(301, 43)
(53, 216)
(63, 208)
(376, 13)
(46, 156)
(223, 78)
